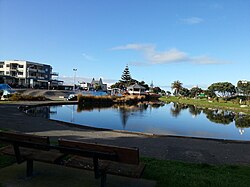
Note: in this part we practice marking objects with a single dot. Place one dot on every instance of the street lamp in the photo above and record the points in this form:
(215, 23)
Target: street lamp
(74, 78)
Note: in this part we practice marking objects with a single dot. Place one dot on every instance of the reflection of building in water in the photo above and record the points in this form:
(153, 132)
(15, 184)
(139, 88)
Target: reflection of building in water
(44, 111)
(241, 131)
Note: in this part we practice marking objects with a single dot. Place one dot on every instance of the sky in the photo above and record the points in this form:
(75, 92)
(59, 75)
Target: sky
(198, 42)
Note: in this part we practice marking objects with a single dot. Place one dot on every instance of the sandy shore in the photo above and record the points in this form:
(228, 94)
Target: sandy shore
(167, 147)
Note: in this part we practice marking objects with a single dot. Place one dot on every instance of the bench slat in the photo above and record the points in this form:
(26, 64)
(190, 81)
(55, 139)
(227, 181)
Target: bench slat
(25, 139)
(114, 168)
(34, 154)
(124, 154)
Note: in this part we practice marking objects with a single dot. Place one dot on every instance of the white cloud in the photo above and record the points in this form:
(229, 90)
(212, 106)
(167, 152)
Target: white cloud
(206, 60)
(153, 56)
(163, 57)
(192, 20)
(70, 79)
(172, 55)
(134, 47)
(88, 57)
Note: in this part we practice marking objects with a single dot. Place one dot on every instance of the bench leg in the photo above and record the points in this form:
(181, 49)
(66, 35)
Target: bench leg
(103, 179)
(29, 170)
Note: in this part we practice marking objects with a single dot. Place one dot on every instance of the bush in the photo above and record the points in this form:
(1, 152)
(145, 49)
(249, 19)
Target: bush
(19, 97)
(94, 99)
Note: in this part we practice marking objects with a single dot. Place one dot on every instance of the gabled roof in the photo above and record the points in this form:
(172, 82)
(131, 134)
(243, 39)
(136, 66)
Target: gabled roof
(136, 86)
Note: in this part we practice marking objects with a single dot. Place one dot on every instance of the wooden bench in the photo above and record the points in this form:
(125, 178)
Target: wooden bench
(102, 159)
(29, 148)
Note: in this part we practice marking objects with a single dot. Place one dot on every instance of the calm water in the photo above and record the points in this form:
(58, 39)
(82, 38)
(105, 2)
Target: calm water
(168, 119)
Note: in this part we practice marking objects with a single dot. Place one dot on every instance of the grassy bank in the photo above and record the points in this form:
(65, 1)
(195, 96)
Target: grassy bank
(173, 173)
(206, 104)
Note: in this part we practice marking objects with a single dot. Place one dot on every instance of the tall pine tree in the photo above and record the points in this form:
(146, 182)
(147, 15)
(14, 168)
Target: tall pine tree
(126, 77)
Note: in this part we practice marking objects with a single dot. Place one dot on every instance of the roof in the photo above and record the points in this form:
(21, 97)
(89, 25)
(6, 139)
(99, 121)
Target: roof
(136, 86)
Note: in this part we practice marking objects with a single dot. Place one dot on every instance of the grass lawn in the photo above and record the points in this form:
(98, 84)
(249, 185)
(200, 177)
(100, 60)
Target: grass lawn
(204, 103)
(173, 173)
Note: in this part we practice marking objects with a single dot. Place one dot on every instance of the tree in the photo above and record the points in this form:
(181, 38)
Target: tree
(142, 83)
(209, 93)
(126, 77)
(184, 92)
(223, 89)
(176, 86)
(156, 89)
(168, 92)
(244, 88)
(195, 91)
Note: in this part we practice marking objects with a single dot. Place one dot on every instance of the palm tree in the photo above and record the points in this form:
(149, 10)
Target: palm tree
(176, 86)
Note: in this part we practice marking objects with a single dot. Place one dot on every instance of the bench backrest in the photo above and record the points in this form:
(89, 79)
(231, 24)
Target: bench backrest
(25, 140)
(122, 154)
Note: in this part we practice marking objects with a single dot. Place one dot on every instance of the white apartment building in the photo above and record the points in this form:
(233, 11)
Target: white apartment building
(25, 73)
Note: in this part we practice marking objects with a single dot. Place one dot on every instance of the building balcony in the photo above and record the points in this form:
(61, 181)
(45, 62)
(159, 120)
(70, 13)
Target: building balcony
(41, 71)
(54, 74)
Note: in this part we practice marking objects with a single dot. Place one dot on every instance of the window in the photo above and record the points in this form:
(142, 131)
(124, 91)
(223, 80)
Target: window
(20, 66)
(1, 66)
(7, 72)
(1, 72)
(7, 65)
(20, 73)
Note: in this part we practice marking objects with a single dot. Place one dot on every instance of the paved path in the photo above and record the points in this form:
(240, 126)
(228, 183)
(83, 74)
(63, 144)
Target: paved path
(170, 148)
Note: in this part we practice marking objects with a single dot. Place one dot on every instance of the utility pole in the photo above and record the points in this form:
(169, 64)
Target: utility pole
(74, 78)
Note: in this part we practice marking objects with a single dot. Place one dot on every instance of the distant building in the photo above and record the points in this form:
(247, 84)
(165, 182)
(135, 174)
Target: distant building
(136, 89)
(28, 74)
(94, 85)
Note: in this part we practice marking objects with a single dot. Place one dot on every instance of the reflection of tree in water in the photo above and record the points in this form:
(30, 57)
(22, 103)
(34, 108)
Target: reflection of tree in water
(177, 108)
(128, 110)
(242, 121)
(194, 110)
(219, 116)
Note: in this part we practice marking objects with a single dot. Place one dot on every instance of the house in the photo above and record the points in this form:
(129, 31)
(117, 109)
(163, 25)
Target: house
(94, 85)
(136, 89)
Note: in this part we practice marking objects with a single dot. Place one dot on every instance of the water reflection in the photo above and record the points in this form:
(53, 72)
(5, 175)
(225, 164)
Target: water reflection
(219, 116)
(124, 110)
(130, 110)
(152, 117)
(195, 111)
(177, 108)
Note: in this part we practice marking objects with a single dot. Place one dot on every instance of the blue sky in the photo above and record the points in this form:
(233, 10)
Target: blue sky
(196, 42)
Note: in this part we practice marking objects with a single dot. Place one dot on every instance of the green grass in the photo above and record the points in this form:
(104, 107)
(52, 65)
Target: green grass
(204, 103)
(173, 173)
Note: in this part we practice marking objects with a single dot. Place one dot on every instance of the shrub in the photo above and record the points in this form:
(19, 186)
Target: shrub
(19, 97)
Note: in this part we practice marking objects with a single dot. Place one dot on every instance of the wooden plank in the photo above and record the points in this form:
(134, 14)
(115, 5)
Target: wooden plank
(24, 137)
(124, 154)
(34, 154)
(114, 168)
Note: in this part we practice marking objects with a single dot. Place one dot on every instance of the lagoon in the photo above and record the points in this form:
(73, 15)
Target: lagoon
(163, 119)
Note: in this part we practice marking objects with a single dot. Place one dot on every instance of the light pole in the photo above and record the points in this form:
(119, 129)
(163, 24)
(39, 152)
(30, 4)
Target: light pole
(74, 78)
